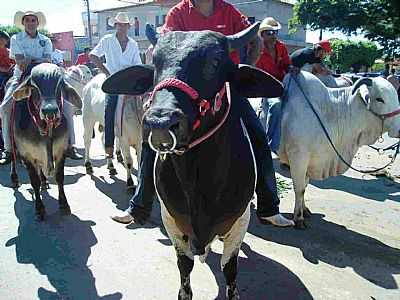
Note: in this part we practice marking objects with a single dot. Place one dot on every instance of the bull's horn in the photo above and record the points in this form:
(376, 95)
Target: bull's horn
(242, 38)
(359, 82)
(151, 34)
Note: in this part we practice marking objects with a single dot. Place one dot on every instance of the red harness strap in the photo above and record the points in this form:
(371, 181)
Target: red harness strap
(203, 104)
(391, 114)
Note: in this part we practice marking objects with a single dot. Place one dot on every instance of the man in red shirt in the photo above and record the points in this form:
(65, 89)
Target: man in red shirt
(219, 16)
(274, 57)
(83, 58)
(6, 63)
(275, 60)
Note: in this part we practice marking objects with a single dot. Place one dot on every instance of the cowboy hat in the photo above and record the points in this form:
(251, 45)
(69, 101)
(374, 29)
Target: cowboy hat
(121, 17)
(19, 16)
(269, 23)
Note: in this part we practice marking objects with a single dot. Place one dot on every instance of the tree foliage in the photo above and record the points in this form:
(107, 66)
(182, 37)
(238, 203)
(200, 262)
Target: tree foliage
(379, 20)
(11, 30)
(348, 54)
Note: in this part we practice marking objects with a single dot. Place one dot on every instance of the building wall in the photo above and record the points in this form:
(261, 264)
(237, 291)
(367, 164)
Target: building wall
(281, 11)
(259, 9)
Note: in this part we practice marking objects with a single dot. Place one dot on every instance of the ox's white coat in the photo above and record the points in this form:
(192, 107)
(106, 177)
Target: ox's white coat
(304, 145)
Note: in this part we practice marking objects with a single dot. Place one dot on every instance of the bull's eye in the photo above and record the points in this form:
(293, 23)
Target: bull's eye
(380, 100)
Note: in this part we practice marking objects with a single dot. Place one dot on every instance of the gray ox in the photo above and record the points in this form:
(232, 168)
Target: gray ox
(353, 116)
(40, 130)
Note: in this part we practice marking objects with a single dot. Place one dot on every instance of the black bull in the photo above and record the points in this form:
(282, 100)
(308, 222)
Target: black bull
(39, 129)
(205, 189)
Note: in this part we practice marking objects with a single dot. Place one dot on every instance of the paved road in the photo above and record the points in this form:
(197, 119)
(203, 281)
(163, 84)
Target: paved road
(350, 251)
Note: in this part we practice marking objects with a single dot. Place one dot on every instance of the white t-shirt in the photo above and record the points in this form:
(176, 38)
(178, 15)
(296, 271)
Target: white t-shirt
(116, 59)
(34, 48)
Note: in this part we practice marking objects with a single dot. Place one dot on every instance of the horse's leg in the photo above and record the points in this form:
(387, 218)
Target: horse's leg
(35, 182)
(118, 148)
(62, 199)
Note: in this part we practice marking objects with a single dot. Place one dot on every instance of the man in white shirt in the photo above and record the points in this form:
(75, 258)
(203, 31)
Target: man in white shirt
(120, 52)
(26, 48)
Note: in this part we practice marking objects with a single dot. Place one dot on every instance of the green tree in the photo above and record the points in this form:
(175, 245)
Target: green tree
(379, 20)
(347, 54)
(11, 30)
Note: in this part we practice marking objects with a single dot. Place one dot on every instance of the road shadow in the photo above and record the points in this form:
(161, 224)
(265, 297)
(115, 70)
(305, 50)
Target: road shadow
(23, 177)
(259, 277)
(338, 246)
(116, 191)
(59, 248)
(379, 188)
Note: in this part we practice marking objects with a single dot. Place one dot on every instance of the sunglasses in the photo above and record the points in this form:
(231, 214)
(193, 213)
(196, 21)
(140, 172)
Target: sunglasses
(271, 32)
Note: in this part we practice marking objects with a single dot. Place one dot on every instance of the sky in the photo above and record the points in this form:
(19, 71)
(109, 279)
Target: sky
(65, 15)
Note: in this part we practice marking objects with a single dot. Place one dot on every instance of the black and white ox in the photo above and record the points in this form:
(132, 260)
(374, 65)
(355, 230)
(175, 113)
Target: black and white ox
(39, 129)
(204, 171)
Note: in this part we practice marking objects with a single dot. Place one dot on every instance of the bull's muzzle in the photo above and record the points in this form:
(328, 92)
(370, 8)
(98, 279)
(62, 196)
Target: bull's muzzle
(49, 112)
(164, 129)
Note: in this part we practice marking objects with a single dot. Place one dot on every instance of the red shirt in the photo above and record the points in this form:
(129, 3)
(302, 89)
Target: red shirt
(82, 59)
(226, 20)
(5, 60)
(278, 67)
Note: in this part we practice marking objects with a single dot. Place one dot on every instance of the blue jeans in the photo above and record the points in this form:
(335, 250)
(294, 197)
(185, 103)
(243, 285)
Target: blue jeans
(270, 119)
(109, 119)
(267, 197)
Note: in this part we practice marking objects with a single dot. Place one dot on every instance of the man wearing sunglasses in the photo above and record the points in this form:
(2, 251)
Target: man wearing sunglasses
(275, 60)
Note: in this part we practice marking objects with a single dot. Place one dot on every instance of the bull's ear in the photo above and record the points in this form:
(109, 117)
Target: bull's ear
(135, 80)
(24, 90)
(252, 82)
(69, 94)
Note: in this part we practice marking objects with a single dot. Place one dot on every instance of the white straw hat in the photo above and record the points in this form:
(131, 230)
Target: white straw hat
(19, 16)
(269, 23)
(121, 17)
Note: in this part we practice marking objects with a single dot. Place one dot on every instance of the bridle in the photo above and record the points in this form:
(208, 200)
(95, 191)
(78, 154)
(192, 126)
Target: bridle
(203, 105)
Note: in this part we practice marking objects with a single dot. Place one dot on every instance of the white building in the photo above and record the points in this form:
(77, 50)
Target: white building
(155, 11)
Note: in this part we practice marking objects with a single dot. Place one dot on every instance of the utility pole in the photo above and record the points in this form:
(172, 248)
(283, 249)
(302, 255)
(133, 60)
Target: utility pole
(88, 21)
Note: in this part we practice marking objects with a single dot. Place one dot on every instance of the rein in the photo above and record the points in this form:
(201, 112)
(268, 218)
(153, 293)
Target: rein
(204, 106)
(381, 116)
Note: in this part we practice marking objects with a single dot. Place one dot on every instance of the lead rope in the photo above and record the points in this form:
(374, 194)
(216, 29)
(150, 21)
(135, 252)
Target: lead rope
(333, 146)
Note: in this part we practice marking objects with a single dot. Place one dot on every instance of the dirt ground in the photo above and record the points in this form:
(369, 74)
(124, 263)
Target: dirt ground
(350, 250)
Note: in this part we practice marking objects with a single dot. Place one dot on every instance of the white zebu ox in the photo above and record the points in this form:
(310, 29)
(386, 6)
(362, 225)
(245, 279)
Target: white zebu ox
(93, 112)
(353, 116)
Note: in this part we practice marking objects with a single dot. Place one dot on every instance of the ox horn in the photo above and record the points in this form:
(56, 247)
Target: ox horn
(360, 82)
(151, 34)
(242, 38)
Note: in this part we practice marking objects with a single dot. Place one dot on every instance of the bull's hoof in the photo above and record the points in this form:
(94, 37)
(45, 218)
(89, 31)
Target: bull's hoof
(89, 168)
(14, 180)
(44, 186)
(120, 159)
(113, 171)
(129, 184)
(306, 212)
(65, 210)
(232, 293)
(15, 184)
(300, 224)
(185, 293)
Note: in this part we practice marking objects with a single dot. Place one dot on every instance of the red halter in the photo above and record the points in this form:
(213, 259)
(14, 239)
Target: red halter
(203, 104)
